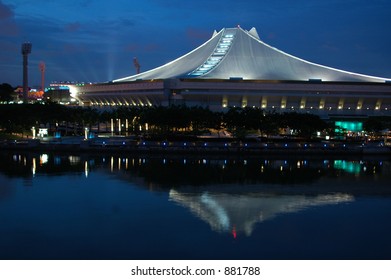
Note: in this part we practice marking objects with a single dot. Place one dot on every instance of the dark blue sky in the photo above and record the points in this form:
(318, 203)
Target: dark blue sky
(96, 40)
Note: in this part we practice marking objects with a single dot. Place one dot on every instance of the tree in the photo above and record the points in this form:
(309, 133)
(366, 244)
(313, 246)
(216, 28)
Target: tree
(271, 124)
(374, 124)
(304, 125)
(234, 121)
(6, 91)
(253, 118)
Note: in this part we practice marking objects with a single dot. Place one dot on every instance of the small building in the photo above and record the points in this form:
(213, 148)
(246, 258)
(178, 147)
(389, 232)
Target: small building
(59, 93)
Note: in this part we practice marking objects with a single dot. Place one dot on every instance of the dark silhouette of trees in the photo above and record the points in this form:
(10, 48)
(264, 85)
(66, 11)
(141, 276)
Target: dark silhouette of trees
(377, 124)
(166, 120)
(270, 124)
(6, 91)
(163, 121)
(304, 125)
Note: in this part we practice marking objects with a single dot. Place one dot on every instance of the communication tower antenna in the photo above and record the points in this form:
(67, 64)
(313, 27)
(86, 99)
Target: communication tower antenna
(42, 68)
(26, 50)
(136, 65)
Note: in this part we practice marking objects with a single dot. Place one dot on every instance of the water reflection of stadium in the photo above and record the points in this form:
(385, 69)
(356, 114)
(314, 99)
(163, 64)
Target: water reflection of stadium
(231, 195)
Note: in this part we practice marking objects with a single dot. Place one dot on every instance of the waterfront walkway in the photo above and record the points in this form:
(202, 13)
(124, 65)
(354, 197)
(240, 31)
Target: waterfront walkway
(201, 146)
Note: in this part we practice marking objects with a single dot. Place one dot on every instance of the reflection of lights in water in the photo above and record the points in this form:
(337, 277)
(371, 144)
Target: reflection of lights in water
(348, 166)
(234, 232)
(86, 169)
(34, 167)
(217, 209)
(236, 214)
(43, 159)
(74, 160)
(57, 160)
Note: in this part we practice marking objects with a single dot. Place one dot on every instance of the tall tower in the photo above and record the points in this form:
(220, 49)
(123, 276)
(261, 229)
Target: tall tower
(26, 50)
(42, 68)
(136, 65)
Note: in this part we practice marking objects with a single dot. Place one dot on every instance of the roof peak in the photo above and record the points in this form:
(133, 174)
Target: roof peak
(254, 33)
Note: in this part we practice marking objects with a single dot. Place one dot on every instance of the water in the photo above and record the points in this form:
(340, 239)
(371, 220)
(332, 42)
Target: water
(70, 206)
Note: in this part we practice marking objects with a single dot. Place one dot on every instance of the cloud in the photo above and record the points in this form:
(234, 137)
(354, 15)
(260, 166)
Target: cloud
(330, 47)
(72, 48)
(9, 28)
(73, 27)
(132, 47)
(5, 12)
(7, 21)
(198, 34)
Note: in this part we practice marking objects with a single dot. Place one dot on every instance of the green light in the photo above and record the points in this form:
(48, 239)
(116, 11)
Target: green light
(348, 126)
(348, 166)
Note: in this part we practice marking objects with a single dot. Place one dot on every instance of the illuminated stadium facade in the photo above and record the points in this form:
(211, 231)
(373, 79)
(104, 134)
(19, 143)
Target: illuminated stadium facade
(236, 68)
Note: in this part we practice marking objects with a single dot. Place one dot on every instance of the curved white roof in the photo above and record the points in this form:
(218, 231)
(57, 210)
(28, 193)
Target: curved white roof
(234, 52)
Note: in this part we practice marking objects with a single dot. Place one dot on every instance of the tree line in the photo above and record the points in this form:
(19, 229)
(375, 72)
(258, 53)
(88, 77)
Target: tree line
(6, 91)
(173, 120)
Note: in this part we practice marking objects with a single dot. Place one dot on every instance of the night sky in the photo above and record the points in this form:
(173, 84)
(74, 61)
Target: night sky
(96, 40)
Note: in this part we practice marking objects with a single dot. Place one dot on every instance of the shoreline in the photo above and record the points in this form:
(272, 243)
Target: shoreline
(202, 147)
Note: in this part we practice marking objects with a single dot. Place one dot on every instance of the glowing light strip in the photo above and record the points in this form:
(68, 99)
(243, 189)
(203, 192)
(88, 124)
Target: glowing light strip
(217, 55)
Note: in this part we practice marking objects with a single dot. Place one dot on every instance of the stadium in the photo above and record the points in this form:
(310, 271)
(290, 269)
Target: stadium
(235, 68)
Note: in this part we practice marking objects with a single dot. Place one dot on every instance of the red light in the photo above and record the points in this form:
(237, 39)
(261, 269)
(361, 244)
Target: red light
(234, 232)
